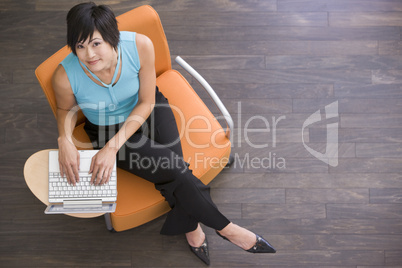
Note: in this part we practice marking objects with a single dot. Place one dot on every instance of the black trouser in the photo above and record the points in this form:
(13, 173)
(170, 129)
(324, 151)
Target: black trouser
(154, 153)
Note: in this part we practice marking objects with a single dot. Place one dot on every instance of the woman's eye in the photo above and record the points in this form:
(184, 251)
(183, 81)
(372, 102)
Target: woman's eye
(80, 46)
(97, 44)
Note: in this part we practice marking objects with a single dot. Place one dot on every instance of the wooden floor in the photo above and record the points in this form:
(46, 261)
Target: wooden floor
(274, 63)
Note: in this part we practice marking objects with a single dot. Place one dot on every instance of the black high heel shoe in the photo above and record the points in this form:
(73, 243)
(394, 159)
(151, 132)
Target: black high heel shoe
(202, 252)
(260, 246)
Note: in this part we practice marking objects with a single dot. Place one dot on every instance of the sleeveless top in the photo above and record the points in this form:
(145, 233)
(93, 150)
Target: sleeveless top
(107, 104)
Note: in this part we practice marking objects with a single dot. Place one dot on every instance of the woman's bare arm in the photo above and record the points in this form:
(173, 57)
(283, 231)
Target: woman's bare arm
(68, 154)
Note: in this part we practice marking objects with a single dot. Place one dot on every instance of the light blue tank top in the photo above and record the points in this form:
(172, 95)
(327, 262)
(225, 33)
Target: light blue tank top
(107, 104)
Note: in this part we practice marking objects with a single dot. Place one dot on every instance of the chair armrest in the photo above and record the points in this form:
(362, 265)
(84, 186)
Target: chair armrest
(211, 92)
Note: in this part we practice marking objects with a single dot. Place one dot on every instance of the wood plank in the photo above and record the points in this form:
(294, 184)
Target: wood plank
(24, 135)
(364, 211)
(15, 120)
(29, 24)
(279, 164)
(312, 105)
(47, 120)
(34, 210)
(21, 91)
(172, 5)
(9, 182)
(387, 76)
(21, 19)
(18, 196)
(7, 5)
(256, 107)
(268, 137)
(359, 135)
(19, 61)
(270, 33)
(64, 5)
(244, 18)
(24, 76)
(231, 211)
(15, 154)
(253, 148)
(48, 225)
(283, 211)
(323, 226)
(65, 226)
(359, 165)
(5, 76)
(266, 196)
(390, 47)
(379, 149)
(387, 121)
(332, 195)
(21, 151)
(214, 5)
(147, 258)
(241, 117)
(2, 135)
(35, 105)
(60, 258)
(225, 62)
(376, 266)
(308, 180)
(6, 106)
(350, 226)
(43, 50)
(330, 62)
(358, 19)
(271, 137)
(300, 258)
(337, 242)
(105, 241)
(268, 90)
(13, 166)
(385, 196)
(339, 5)
(288, 76)
(393, 257)
(380, 91)
(350, 105)
(202, 47)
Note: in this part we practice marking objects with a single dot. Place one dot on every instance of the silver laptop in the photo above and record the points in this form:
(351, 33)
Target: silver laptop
(83, 197)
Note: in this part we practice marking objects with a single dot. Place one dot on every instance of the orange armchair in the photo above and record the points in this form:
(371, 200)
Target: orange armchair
(206, 145)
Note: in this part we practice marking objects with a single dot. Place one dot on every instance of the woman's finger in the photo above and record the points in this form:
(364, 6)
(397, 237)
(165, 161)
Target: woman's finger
(94, 176)
(105, 177)
(71, 176)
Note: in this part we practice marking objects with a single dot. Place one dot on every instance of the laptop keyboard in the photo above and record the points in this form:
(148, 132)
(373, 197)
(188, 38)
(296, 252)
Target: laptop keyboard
(59, 187)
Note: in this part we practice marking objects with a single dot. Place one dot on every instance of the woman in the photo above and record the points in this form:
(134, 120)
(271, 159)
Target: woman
(111, 76)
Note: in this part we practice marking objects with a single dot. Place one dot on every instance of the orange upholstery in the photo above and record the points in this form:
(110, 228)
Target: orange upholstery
(204, 143)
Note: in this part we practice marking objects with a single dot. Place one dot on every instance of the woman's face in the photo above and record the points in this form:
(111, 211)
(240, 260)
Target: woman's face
(95, 53)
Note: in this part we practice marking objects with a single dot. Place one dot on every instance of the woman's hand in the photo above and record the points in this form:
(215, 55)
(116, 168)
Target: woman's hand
(69, 160)
(102, 165)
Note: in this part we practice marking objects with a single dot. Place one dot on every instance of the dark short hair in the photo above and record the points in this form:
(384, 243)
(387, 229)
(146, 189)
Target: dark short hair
(83, 19)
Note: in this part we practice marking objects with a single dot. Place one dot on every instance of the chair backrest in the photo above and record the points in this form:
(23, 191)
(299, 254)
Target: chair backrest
(142, 20)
